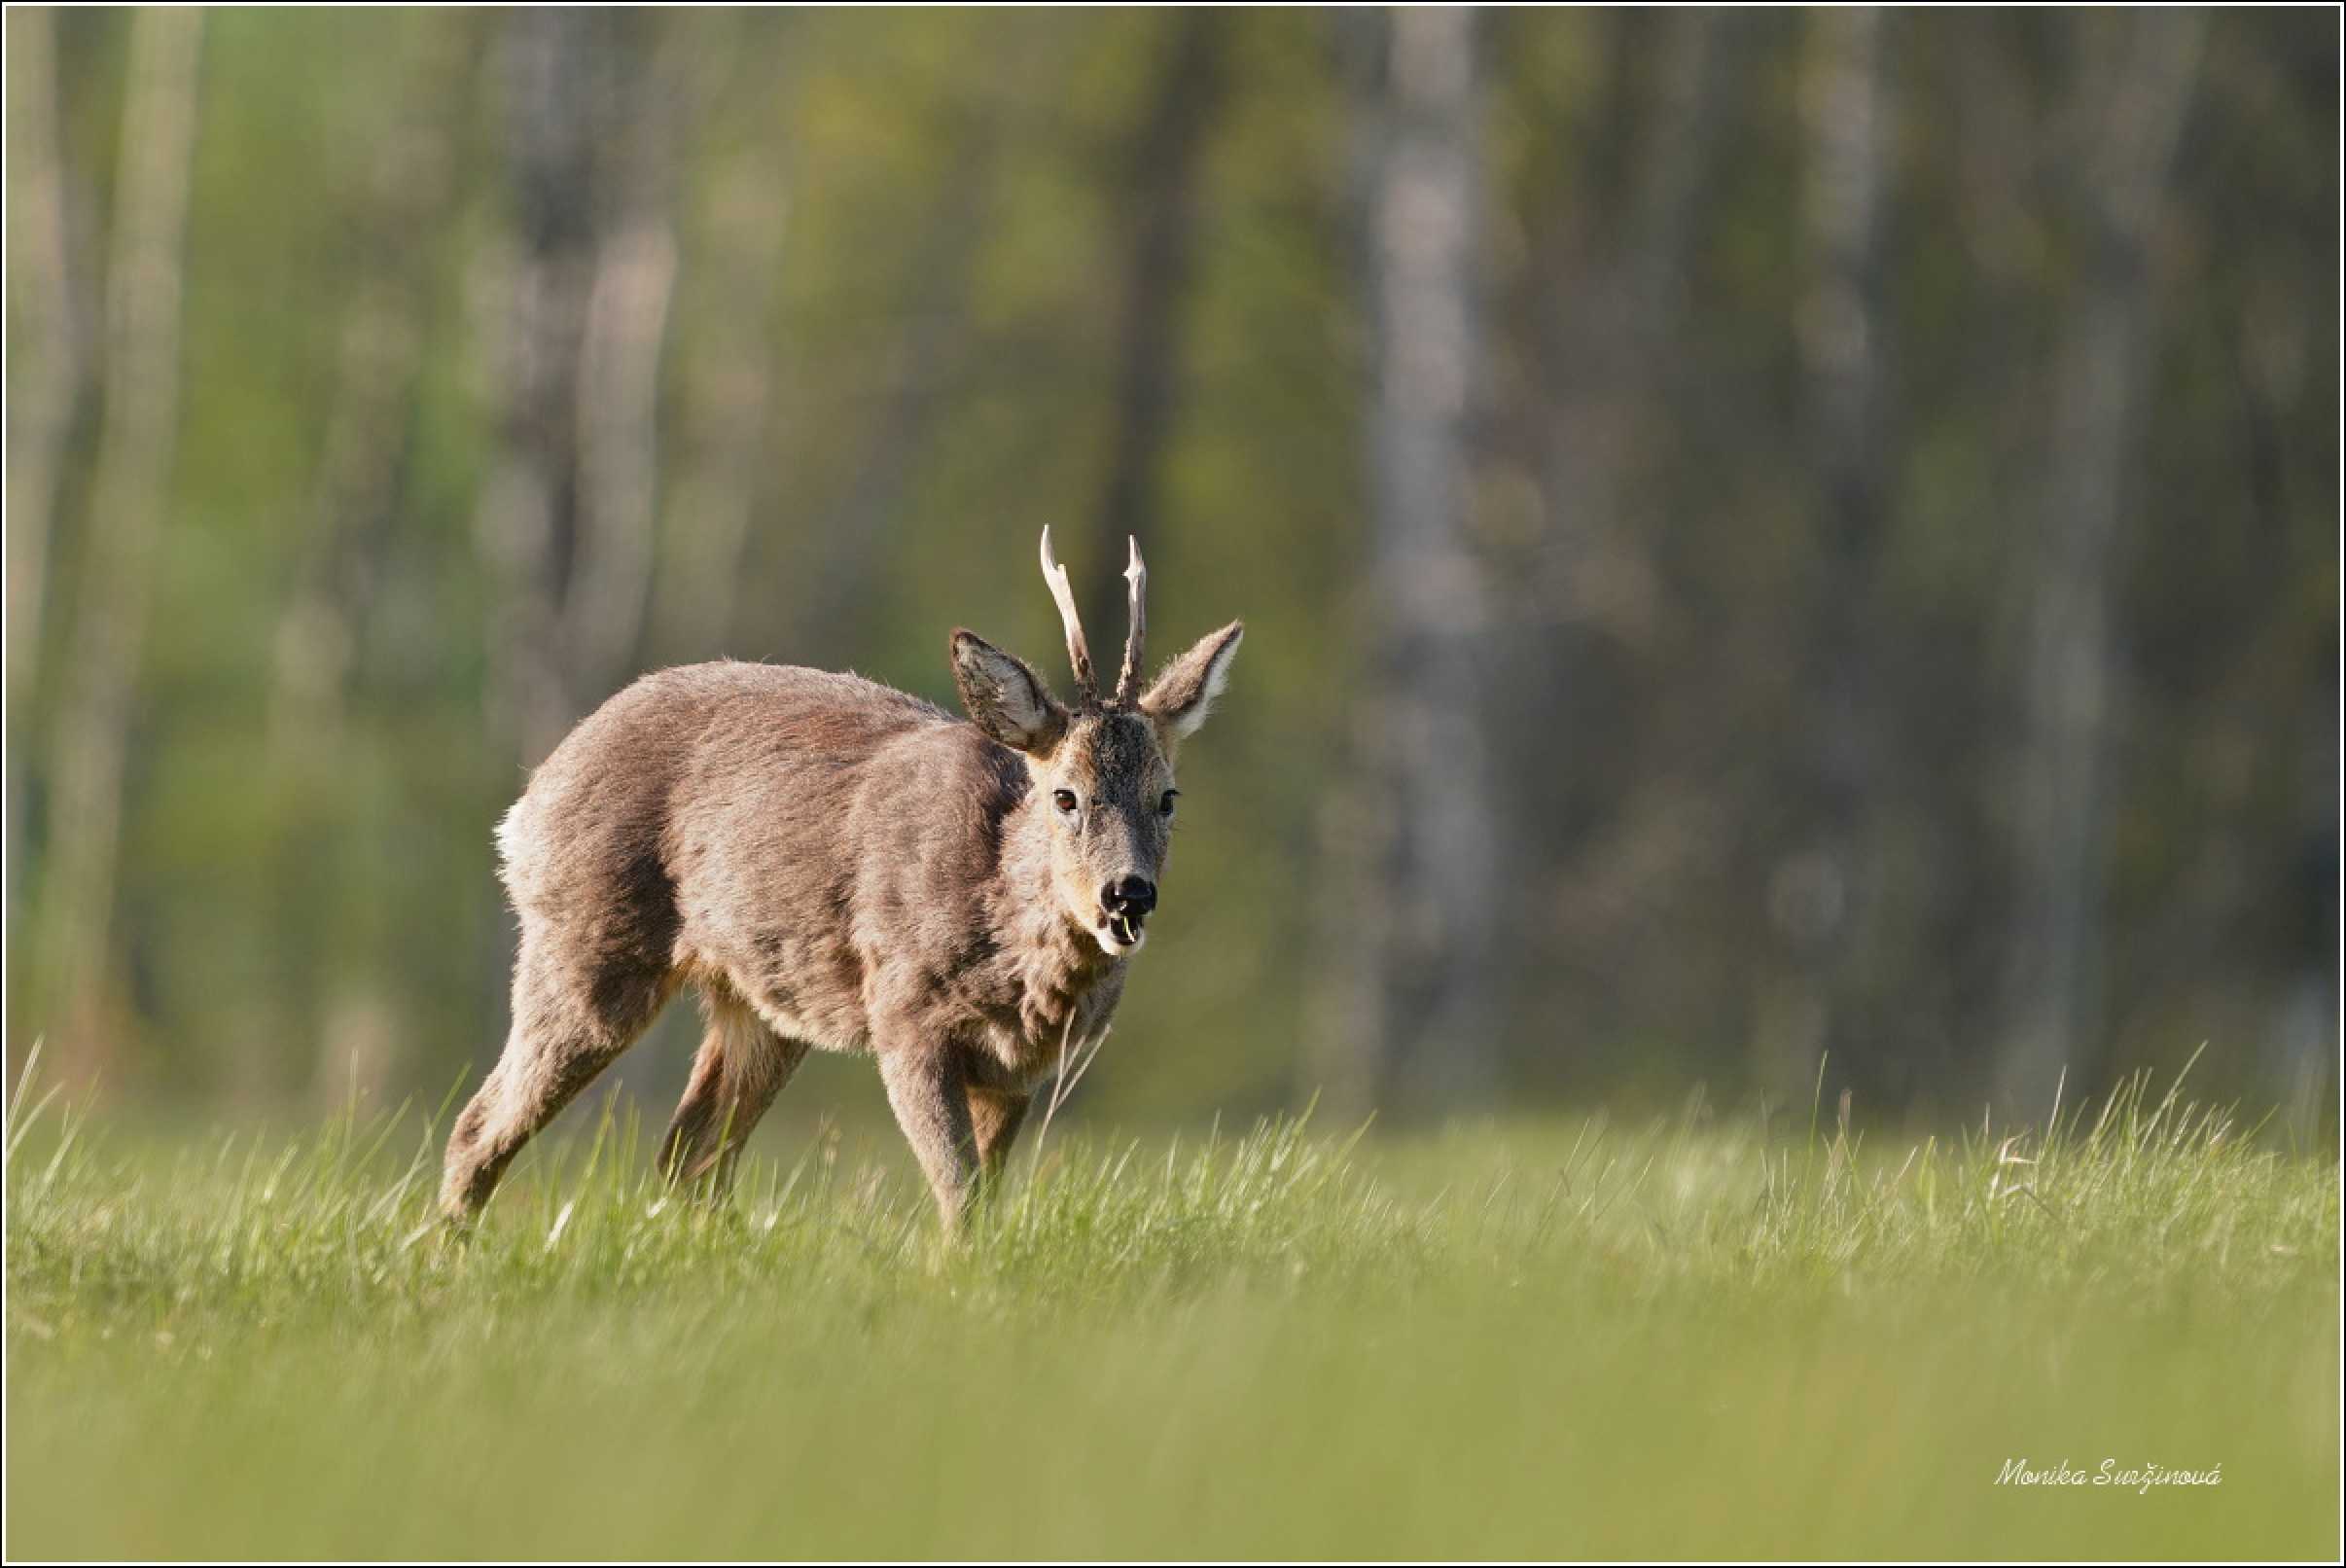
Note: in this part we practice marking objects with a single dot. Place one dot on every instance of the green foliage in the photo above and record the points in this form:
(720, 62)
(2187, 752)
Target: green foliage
(907, 229)
(1686, 1338)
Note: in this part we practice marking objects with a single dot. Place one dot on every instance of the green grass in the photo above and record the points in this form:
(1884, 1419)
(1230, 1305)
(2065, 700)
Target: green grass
(1683, 1338)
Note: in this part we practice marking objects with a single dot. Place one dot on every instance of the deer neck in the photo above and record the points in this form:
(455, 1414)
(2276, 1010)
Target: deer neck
(1059, 961)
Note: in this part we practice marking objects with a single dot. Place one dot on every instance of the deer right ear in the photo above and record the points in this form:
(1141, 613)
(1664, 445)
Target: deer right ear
(1004, 697)
(1187, 690)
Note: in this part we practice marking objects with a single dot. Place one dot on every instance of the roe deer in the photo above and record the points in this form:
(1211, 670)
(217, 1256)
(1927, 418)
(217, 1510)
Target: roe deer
(835, 864)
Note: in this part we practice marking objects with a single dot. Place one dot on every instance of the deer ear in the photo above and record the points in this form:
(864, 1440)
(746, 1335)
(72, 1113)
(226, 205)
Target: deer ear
(1186, 691)
(1006, 698)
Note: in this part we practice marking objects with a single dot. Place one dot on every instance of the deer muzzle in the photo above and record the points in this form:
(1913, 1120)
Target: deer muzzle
(1125, 905)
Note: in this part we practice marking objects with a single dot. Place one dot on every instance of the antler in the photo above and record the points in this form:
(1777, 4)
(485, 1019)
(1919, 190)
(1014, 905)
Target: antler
(1079, 652)
(1136, 578)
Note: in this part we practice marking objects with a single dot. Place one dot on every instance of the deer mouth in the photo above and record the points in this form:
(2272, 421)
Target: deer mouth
(1120, 933)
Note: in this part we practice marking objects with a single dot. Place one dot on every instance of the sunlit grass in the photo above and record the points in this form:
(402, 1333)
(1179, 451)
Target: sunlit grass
(1684, 1338)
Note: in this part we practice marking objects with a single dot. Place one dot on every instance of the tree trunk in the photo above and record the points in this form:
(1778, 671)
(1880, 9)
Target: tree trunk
(354, 506)
(2140, 74)
(46, 352)
(1165, 160)
(1820, 895)
(47, 358)
(619, 379)
(857, 527)
(1412, 907)
(1604, 320)
(134, 469)
(567, 514)
(723, 453)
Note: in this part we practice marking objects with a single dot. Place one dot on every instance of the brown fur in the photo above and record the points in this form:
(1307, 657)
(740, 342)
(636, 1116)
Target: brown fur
(836, 865)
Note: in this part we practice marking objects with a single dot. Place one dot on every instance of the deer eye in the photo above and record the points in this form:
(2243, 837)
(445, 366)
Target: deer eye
(1064, 799)
(1164, 807)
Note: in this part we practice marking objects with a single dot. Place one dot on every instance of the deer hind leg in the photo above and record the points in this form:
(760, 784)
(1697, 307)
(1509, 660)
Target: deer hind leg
(741, 1066)
(572, 1018)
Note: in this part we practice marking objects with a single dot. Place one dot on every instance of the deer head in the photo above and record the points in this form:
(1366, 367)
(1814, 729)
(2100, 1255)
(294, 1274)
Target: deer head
(1101, 769)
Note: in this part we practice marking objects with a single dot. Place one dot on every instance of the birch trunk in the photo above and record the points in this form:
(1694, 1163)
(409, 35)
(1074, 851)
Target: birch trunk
(45, 353)
(1413, 900)
(134, 469)
(354, 508)
(46, 357)
(2140, 74)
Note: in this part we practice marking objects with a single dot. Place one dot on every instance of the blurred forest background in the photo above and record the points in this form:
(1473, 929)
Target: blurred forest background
(1763, 535)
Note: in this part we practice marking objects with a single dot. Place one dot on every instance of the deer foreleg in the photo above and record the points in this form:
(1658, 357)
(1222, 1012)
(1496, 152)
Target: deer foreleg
(995, 1116)
(929, 1092)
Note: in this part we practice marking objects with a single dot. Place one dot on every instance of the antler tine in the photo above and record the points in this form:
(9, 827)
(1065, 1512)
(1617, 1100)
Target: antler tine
(1136, 579)
(1079, 652)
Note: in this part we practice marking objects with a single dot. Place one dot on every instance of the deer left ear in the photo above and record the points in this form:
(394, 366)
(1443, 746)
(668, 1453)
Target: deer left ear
(1004, 697)
(1186, 693)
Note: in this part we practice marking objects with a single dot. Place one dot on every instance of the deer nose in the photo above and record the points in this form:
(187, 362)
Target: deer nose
(1129, 895)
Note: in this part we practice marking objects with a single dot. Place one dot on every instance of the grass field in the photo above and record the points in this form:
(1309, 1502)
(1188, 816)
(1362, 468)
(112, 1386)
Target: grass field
(1686, 1337)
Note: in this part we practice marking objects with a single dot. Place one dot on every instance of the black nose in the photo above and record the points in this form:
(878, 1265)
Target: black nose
(1134, 894)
